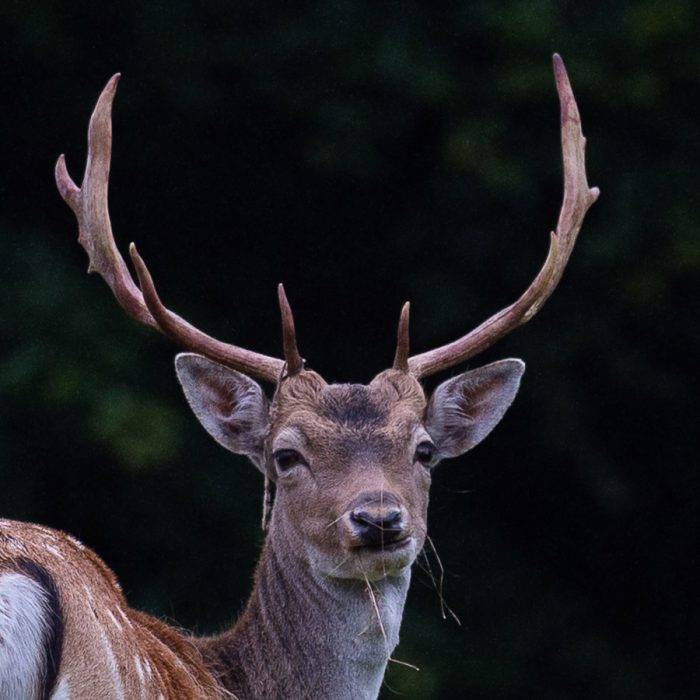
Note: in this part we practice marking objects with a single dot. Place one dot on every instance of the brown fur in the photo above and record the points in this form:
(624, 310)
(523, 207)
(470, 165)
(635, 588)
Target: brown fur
(95, 615)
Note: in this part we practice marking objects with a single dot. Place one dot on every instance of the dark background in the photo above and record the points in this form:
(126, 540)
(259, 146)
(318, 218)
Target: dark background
(365, 153)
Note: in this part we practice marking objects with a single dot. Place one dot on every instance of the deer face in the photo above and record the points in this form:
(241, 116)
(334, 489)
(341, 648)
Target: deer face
(350, 488)
(352, 463)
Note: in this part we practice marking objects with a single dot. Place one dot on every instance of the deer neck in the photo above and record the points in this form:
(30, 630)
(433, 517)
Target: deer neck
(306, 635)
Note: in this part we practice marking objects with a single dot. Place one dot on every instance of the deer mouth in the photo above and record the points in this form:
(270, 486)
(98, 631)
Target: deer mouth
(373, 561)
(389, 546)
(378, 560)
(385, 558)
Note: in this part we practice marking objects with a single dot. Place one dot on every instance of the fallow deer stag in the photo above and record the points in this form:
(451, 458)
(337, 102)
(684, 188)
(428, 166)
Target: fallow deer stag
(351, 466)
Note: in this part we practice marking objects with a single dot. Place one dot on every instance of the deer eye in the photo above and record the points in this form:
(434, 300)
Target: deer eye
(425, 452)
(287, 459)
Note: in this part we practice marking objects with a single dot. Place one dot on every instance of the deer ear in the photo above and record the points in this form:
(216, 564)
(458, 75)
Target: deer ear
(232, 407)
(465, 409)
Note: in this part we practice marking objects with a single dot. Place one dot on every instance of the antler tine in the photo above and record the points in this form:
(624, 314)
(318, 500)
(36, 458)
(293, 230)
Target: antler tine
(295, 362)
(403, 339)
(89, 204)
(578, 197)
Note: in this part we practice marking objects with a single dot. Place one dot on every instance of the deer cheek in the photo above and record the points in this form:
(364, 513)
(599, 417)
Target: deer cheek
(308, 515)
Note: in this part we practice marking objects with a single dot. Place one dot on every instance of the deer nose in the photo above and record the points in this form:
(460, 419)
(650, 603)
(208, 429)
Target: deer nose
(377, 526)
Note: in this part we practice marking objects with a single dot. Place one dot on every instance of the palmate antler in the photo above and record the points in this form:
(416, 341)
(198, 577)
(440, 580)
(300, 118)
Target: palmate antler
(578, 197)
(89, 203)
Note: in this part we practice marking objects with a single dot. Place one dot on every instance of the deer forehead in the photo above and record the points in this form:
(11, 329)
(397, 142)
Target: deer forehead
(347, 419)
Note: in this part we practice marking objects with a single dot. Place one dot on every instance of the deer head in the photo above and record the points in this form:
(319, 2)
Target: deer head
(351, 463)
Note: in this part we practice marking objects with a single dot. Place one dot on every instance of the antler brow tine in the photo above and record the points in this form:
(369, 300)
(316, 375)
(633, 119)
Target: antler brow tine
(578, 197)
(90, 206)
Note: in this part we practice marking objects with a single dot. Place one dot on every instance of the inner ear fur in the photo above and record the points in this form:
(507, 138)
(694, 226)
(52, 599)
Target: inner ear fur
(232, 407)
(463, 410)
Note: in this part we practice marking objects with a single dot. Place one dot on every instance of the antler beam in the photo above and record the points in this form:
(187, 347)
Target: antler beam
(578, 197)
(90, 206)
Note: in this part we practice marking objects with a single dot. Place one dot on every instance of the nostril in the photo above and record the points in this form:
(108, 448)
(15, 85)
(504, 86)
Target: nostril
(386, 518)
(378, 527)
(361, 517)
(393, 518)
(389, 516)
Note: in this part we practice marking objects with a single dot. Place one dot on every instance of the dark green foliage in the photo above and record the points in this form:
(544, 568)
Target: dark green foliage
(365, 153)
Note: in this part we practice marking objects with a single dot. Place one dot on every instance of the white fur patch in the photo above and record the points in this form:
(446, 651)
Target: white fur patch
(46, 533)
(15, 544)
(139, 668)
(23, 628)
(114, 620)
(111, 659)
(76, 542)
(127, 621)
(88, 593)
(54, 550)
(62, 691)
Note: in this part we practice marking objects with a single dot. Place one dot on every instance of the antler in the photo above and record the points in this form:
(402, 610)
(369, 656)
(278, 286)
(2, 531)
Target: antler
(402, 339)
(89, 204)
(578, 197)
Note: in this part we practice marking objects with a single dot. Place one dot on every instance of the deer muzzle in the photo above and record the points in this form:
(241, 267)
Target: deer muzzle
(375, 520)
